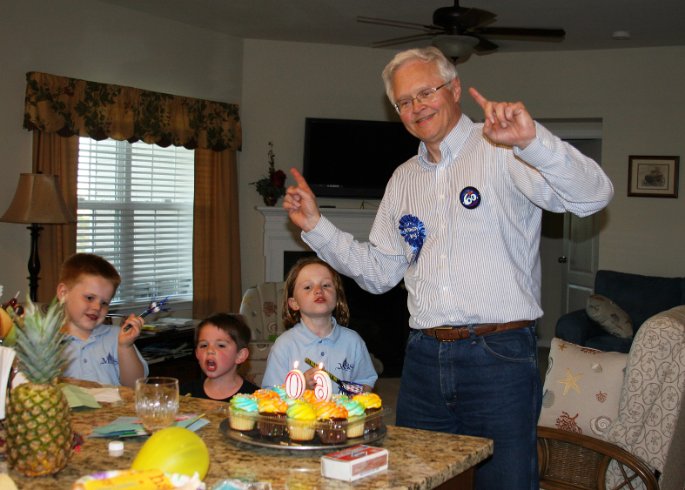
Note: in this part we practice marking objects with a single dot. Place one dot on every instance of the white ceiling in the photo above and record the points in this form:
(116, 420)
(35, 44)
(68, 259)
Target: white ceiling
(589, 24)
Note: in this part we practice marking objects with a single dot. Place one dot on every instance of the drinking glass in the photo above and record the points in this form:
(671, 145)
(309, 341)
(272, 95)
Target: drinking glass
(156, 402)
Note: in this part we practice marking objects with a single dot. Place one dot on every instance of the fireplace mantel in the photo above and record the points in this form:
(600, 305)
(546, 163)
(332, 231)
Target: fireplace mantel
(280, 235)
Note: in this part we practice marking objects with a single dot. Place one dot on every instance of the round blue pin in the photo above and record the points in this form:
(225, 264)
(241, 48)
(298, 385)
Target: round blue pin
(469, 197)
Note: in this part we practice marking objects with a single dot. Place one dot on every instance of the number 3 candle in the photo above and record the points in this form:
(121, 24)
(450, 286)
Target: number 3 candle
(324, 388)
(295, 383)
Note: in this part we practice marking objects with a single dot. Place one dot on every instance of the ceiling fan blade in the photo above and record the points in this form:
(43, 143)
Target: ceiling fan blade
(552, 34)
(397, 23)
(484, 45)
(402, 40)
(457, 19)
(473, 17)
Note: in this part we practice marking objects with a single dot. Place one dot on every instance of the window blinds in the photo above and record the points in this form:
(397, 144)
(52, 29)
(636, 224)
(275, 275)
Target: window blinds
(135, 208)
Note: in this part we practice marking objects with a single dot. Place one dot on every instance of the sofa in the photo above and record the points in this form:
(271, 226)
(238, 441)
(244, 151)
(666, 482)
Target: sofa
(607, 415)
(632, 297)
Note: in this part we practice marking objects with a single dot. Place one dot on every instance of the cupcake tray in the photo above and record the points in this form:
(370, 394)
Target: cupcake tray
(255, 438)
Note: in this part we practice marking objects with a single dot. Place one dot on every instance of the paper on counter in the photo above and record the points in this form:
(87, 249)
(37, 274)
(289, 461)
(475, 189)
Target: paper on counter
(131, 426)
(78, 397)
(121, 427)
(6, 360)
(6, 483)
(105, 394)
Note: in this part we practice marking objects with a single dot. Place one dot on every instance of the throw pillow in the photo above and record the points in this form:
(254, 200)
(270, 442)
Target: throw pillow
(610, 316)
(582, 389)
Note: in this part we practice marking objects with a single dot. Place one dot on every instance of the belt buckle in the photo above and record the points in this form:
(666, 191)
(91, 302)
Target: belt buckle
(436, 329)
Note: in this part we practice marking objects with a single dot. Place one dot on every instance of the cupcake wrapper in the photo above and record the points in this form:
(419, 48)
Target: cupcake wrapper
(332, 431)
(271, 425)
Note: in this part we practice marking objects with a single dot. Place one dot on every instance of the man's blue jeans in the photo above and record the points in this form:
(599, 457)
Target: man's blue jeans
(485, 386)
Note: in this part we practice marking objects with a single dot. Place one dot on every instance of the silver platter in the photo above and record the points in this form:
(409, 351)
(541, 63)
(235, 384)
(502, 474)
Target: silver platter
(254, 438)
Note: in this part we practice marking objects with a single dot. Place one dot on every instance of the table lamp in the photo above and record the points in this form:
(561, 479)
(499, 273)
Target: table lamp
(37, 201)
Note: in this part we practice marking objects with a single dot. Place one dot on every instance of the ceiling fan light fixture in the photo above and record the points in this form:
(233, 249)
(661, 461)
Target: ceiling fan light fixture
(621, 35)
(455, 46)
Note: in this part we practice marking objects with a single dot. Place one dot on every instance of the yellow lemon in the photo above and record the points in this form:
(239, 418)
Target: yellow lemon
(6, 328)
(174, 450)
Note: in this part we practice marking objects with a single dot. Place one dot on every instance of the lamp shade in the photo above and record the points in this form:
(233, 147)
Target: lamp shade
(37, 200)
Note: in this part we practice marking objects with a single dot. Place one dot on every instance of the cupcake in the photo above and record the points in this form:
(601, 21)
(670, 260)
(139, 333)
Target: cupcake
(309, 396)
(356, 414)
(372, 405)
(271, 421)
(280, 391)
(243, 412)
(291, 401)
(301, 419)
(265, 393)
(332, 422)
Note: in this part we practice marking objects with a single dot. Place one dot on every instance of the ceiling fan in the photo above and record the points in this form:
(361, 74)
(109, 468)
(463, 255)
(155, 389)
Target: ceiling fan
(458, 31)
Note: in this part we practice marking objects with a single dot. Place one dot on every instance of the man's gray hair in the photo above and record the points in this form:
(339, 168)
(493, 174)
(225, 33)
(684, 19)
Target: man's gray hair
(431, 54)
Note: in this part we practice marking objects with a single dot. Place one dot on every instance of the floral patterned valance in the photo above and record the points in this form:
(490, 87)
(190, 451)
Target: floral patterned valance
(69, 106)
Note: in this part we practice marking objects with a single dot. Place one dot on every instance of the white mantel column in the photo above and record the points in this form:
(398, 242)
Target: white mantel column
(280, 235)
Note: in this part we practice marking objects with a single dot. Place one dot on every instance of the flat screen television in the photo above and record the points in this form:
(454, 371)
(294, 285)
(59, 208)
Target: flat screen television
(354, 158)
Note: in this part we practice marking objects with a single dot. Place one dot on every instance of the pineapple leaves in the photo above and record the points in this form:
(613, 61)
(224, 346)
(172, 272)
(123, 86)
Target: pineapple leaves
(40, 343)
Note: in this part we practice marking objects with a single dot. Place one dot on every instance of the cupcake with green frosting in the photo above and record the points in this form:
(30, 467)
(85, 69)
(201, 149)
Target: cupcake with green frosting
(243, 412)
(372, 404)
(356, 414)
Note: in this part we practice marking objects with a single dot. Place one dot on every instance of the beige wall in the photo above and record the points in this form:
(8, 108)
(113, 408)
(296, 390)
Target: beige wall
(637, 94)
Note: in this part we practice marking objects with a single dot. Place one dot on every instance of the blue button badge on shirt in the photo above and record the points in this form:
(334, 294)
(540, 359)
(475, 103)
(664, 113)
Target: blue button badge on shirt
(469, 197)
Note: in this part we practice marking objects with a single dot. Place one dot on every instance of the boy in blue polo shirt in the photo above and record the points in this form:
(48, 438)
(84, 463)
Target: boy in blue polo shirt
(97, 352)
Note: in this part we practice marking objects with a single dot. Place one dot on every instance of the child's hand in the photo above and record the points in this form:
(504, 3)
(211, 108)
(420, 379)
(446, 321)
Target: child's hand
(309, 378)
(130, 329)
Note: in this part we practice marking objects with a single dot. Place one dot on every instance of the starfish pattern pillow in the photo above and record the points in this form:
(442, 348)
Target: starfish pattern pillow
(582, 389)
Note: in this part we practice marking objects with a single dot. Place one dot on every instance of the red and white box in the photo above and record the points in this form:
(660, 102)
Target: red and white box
(354, 462)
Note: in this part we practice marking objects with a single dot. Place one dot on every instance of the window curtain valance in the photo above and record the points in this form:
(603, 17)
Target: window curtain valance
(58, 109)
(69, 106)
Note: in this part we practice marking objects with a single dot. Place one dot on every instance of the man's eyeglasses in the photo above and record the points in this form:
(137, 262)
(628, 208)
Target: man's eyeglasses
(426, 95)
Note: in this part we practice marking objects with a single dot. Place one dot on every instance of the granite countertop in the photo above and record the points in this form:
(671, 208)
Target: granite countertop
(417, 459)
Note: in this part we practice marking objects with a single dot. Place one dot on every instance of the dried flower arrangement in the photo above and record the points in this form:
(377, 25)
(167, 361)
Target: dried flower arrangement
(272, 186)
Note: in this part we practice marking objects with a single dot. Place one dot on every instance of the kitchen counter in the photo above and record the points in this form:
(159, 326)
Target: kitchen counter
(417, 459)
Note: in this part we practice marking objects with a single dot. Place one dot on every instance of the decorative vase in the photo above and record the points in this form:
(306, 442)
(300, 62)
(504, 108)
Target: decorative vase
(270, 200)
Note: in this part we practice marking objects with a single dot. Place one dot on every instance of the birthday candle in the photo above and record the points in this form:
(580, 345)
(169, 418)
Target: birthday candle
(295, 383)
(324, 387)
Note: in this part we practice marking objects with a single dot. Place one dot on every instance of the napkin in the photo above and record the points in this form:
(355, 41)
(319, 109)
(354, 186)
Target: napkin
(78, 397)
(104, 394)
(131, 426)
(191, 422)
(121, 427)
(6, 360)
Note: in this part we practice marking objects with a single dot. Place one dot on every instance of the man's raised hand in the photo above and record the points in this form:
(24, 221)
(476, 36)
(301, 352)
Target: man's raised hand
(506, 123)
(300, 202)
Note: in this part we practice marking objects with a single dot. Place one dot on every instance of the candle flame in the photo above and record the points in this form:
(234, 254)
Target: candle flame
(295, 364)
(321, 366)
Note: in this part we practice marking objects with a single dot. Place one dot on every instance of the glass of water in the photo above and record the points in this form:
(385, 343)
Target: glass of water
(156, 402)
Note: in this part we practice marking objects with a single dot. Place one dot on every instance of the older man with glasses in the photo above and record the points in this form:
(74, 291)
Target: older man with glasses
(460, 223)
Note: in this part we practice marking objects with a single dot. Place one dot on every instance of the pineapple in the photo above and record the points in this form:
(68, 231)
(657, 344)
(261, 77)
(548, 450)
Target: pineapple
(38, 422)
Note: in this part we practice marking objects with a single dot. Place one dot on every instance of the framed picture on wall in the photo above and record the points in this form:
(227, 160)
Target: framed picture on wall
(653, 176)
